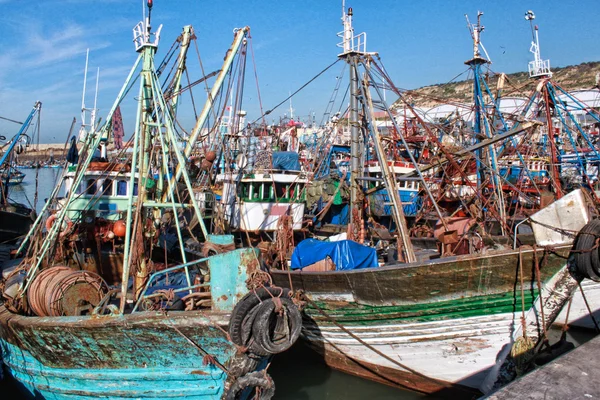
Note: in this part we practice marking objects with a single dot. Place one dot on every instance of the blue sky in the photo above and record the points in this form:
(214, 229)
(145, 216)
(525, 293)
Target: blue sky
(43, 45)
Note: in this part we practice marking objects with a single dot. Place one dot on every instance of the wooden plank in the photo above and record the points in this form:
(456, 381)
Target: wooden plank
(572, 376)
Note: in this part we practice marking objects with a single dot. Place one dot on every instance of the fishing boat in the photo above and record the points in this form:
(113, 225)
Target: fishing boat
(12, 176)
(176, 324)
(15, 218)
(574, 157)
(434, 323)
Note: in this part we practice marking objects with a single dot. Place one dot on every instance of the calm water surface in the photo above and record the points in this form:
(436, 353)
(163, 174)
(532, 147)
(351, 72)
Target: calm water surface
(299, 374)
(47, 180)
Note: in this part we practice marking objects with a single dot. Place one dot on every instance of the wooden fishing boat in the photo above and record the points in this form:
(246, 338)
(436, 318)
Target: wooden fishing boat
(12, 176)
(175, 325)
(15, 221)
(437, 323)
(15, 218)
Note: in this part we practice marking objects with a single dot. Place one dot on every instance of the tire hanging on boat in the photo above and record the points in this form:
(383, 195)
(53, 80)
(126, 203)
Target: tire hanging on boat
(244, 315)
(259, 380)
(277, 325)
(586, 257)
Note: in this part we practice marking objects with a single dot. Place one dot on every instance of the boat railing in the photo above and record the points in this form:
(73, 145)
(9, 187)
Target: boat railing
(356, 43)
(268, 172)
(182, 267)
(143, 37)
(539, 68)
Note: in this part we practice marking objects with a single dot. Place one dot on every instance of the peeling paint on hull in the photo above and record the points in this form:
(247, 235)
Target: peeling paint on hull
(135, 356)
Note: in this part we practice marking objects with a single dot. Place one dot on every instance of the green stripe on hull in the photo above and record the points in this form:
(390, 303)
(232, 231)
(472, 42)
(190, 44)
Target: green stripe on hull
(450, 309)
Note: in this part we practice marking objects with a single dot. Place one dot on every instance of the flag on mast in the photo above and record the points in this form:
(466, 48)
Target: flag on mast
(117, 129)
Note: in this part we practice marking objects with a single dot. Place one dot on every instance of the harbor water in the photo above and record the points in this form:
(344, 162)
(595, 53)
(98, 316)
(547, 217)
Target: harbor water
(299, 374)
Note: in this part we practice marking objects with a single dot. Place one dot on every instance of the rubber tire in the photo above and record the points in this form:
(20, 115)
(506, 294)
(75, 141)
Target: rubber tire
(593, 228)
(242, 318)
(586, 239)
(261, 329)
(253, 379)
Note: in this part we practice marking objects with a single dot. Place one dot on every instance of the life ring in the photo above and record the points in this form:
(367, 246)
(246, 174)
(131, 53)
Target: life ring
(64, 232)
(256, 379)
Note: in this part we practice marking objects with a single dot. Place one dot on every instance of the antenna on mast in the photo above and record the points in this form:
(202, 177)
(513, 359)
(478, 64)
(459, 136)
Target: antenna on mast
(351, 43)
(91, 126)
(93, 114)
(142, 33)
(85, 70)
(537, 67)
(475, 30)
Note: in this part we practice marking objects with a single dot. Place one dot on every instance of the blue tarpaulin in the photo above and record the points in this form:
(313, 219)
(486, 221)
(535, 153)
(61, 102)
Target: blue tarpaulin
(286, 160)
(345, 254)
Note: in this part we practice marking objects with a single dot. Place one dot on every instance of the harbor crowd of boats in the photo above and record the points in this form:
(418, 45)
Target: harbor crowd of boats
(427, 248)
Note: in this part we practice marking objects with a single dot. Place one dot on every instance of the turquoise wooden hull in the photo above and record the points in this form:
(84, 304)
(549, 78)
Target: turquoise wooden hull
(82, 383)
(139, 356)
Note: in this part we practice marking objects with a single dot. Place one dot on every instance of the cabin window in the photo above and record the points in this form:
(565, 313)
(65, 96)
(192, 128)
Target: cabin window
(244, 190)
(107, 187)
(135, 189)
(81, 188)
(122, 188)
(91, 187)
(281, 190)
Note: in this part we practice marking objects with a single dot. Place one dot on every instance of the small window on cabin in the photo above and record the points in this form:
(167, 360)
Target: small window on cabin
(267, 193)
(281, 190)
(91, 187)
(135, 189)
(122, 188)
(107, 187)
(256, 191)
(296, 191)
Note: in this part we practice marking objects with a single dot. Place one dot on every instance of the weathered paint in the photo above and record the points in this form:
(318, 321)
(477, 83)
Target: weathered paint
(140, 355)
(134, 356)
(220, 239)
(453, 320)
(114, 383)
(578, 315)
(228, 275)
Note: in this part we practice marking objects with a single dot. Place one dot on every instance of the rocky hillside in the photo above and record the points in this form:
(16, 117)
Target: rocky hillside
(582, 76)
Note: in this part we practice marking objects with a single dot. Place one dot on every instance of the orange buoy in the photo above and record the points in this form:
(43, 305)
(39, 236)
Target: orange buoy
(119, 228)
(210, 156)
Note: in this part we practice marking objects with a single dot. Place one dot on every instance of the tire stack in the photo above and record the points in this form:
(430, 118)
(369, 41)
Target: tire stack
(264, 322)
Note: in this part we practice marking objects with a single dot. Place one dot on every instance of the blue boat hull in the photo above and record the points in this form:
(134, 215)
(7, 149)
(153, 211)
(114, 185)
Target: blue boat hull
(140, 356)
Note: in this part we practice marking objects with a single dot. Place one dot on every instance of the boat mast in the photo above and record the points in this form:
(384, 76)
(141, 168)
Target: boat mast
(239, 40)
(481, 126)
(350, 55)
(354, 54)
(540, 70)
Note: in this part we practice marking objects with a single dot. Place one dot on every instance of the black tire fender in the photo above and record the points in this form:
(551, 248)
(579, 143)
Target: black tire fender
(257, 379)
(588, 262)
(244, 313)
(276, 333)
